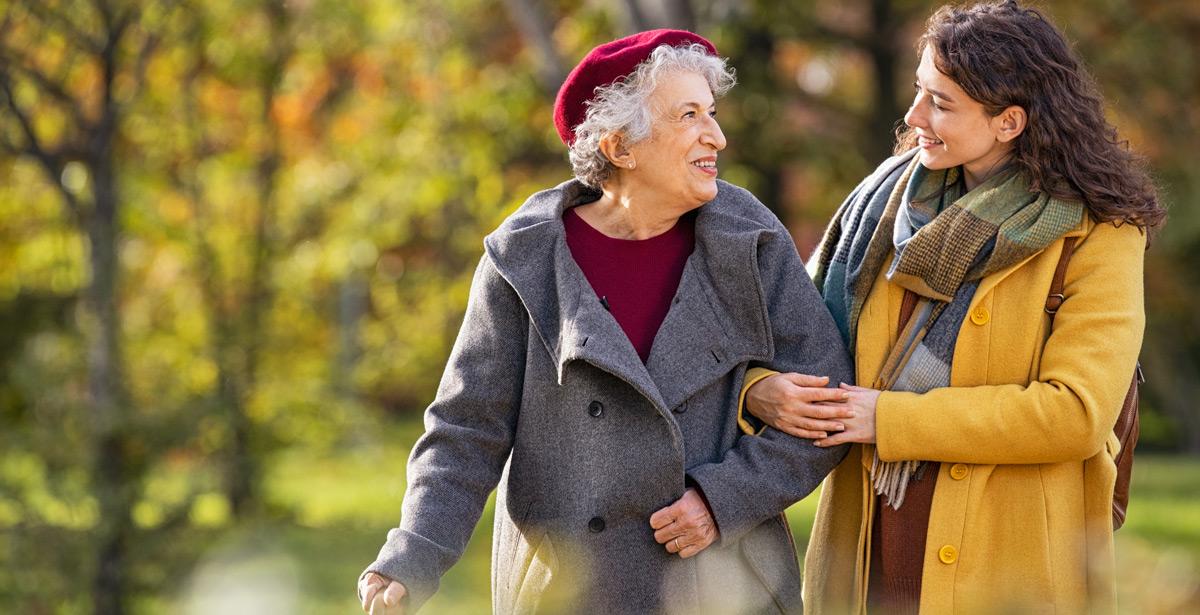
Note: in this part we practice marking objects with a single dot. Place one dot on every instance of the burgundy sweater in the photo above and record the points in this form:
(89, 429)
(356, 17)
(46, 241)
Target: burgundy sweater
(635, 279)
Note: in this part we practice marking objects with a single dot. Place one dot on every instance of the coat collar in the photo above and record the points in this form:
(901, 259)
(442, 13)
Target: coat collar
(717, 318)
(989, 282)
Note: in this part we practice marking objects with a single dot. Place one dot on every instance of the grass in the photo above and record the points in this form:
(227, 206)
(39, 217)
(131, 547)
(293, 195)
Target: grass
(1158, 549)
(344, 503)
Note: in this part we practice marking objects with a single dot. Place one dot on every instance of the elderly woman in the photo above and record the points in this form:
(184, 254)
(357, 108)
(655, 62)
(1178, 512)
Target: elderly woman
(989, 280)
(597, 373)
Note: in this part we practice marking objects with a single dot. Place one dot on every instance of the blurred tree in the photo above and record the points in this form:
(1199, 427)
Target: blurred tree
(1144, 57)
(228, 228)
(536, 30)
(236, 286)
(67, 72)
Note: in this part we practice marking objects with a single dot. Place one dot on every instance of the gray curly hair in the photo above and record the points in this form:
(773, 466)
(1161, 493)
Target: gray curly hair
(623, 107)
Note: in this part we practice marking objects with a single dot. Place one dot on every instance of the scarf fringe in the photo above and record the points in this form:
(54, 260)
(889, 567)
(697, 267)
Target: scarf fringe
(890, 478)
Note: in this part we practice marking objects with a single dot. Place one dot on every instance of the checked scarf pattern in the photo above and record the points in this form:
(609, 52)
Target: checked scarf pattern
(945, 241)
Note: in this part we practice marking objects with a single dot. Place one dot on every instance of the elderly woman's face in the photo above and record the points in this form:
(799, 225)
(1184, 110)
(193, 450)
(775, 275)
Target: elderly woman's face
(679, 159)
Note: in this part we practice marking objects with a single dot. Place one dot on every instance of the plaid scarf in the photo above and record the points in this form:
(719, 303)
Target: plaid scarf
(945, 241)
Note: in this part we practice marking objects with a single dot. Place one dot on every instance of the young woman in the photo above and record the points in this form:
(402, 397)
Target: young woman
(982, 475)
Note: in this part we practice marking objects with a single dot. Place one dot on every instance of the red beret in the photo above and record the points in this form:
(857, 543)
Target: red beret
(604, 65)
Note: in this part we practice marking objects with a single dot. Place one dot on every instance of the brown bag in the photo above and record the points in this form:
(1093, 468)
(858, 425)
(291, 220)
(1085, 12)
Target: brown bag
(1127, 421)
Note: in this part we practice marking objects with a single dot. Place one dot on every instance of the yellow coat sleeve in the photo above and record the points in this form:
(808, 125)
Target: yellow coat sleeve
(753, 375)
(1068, 411)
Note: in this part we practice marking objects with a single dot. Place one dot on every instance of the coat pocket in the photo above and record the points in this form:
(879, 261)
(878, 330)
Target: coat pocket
(529, 566)
(533, 574)
(770, 554)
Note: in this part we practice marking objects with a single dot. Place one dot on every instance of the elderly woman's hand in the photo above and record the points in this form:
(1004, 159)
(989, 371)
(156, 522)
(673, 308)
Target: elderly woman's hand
(860, 427)
(376, 602)
(799, 404)
(685, 527)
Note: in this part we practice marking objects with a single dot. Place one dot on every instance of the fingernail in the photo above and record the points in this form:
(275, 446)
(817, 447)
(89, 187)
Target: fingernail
(841, 427)
(818, 444)
(845, 396)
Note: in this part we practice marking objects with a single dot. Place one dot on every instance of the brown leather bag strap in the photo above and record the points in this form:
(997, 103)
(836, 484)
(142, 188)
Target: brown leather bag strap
(1054, 299)
(1126, 427)
(906, 307)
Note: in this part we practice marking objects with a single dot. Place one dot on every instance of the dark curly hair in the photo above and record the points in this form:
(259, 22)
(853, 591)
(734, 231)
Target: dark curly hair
(1003, 54)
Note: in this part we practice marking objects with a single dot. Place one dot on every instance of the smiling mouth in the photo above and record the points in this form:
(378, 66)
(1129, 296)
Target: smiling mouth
(924, 141)
(708, 167)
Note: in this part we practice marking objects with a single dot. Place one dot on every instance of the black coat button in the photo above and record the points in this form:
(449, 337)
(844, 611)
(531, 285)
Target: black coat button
(596, 524)
(595, 409)
(680, 409)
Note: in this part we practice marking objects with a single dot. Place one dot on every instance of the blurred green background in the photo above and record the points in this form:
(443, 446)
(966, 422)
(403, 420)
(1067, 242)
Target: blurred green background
(236, 239)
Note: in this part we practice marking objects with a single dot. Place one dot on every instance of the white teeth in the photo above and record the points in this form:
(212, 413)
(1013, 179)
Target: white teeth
(708, 164)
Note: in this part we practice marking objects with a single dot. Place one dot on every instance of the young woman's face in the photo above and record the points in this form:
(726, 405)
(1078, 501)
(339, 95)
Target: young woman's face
(952, 128)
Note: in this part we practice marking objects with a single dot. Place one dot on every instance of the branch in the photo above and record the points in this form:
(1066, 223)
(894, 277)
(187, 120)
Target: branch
(8, 147)
(50, 87)
(35, 146)
(147, 50)
(826, 34)
(6, 22)
(142, 61)
(51, 17)
(106, 14)
(823, 105)
(810, 29)
(52, 162)
(119, 24)
(115, 28)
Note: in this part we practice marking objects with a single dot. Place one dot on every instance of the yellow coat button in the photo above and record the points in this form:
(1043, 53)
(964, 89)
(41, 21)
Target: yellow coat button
(959, 471)
(980, 315)
(948, 554)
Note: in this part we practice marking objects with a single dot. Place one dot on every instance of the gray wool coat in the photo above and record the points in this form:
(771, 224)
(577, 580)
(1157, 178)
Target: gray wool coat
(544, 395)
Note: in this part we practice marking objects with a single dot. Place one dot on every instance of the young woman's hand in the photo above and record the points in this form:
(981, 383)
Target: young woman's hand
(861, 426)
(799, 404)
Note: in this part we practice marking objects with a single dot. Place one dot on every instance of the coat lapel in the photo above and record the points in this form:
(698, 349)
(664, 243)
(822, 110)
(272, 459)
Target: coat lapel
(717, 317)
(716, 321)
(530, 251)
(991, 281)
(698, 342)
(591, 334)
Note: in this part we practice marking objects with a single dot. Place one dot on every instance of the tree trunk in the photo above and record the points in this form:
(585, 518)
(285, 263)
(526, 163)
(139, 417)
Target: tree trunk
(680, 14)
(111, 474)
(244, 466)
(536, 30)
(883, 50)
(635, 17)
(353, 297)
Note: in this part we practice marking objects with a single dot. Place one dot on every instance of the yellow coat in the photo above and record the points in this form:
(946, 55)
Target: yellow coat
(1021, 517)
